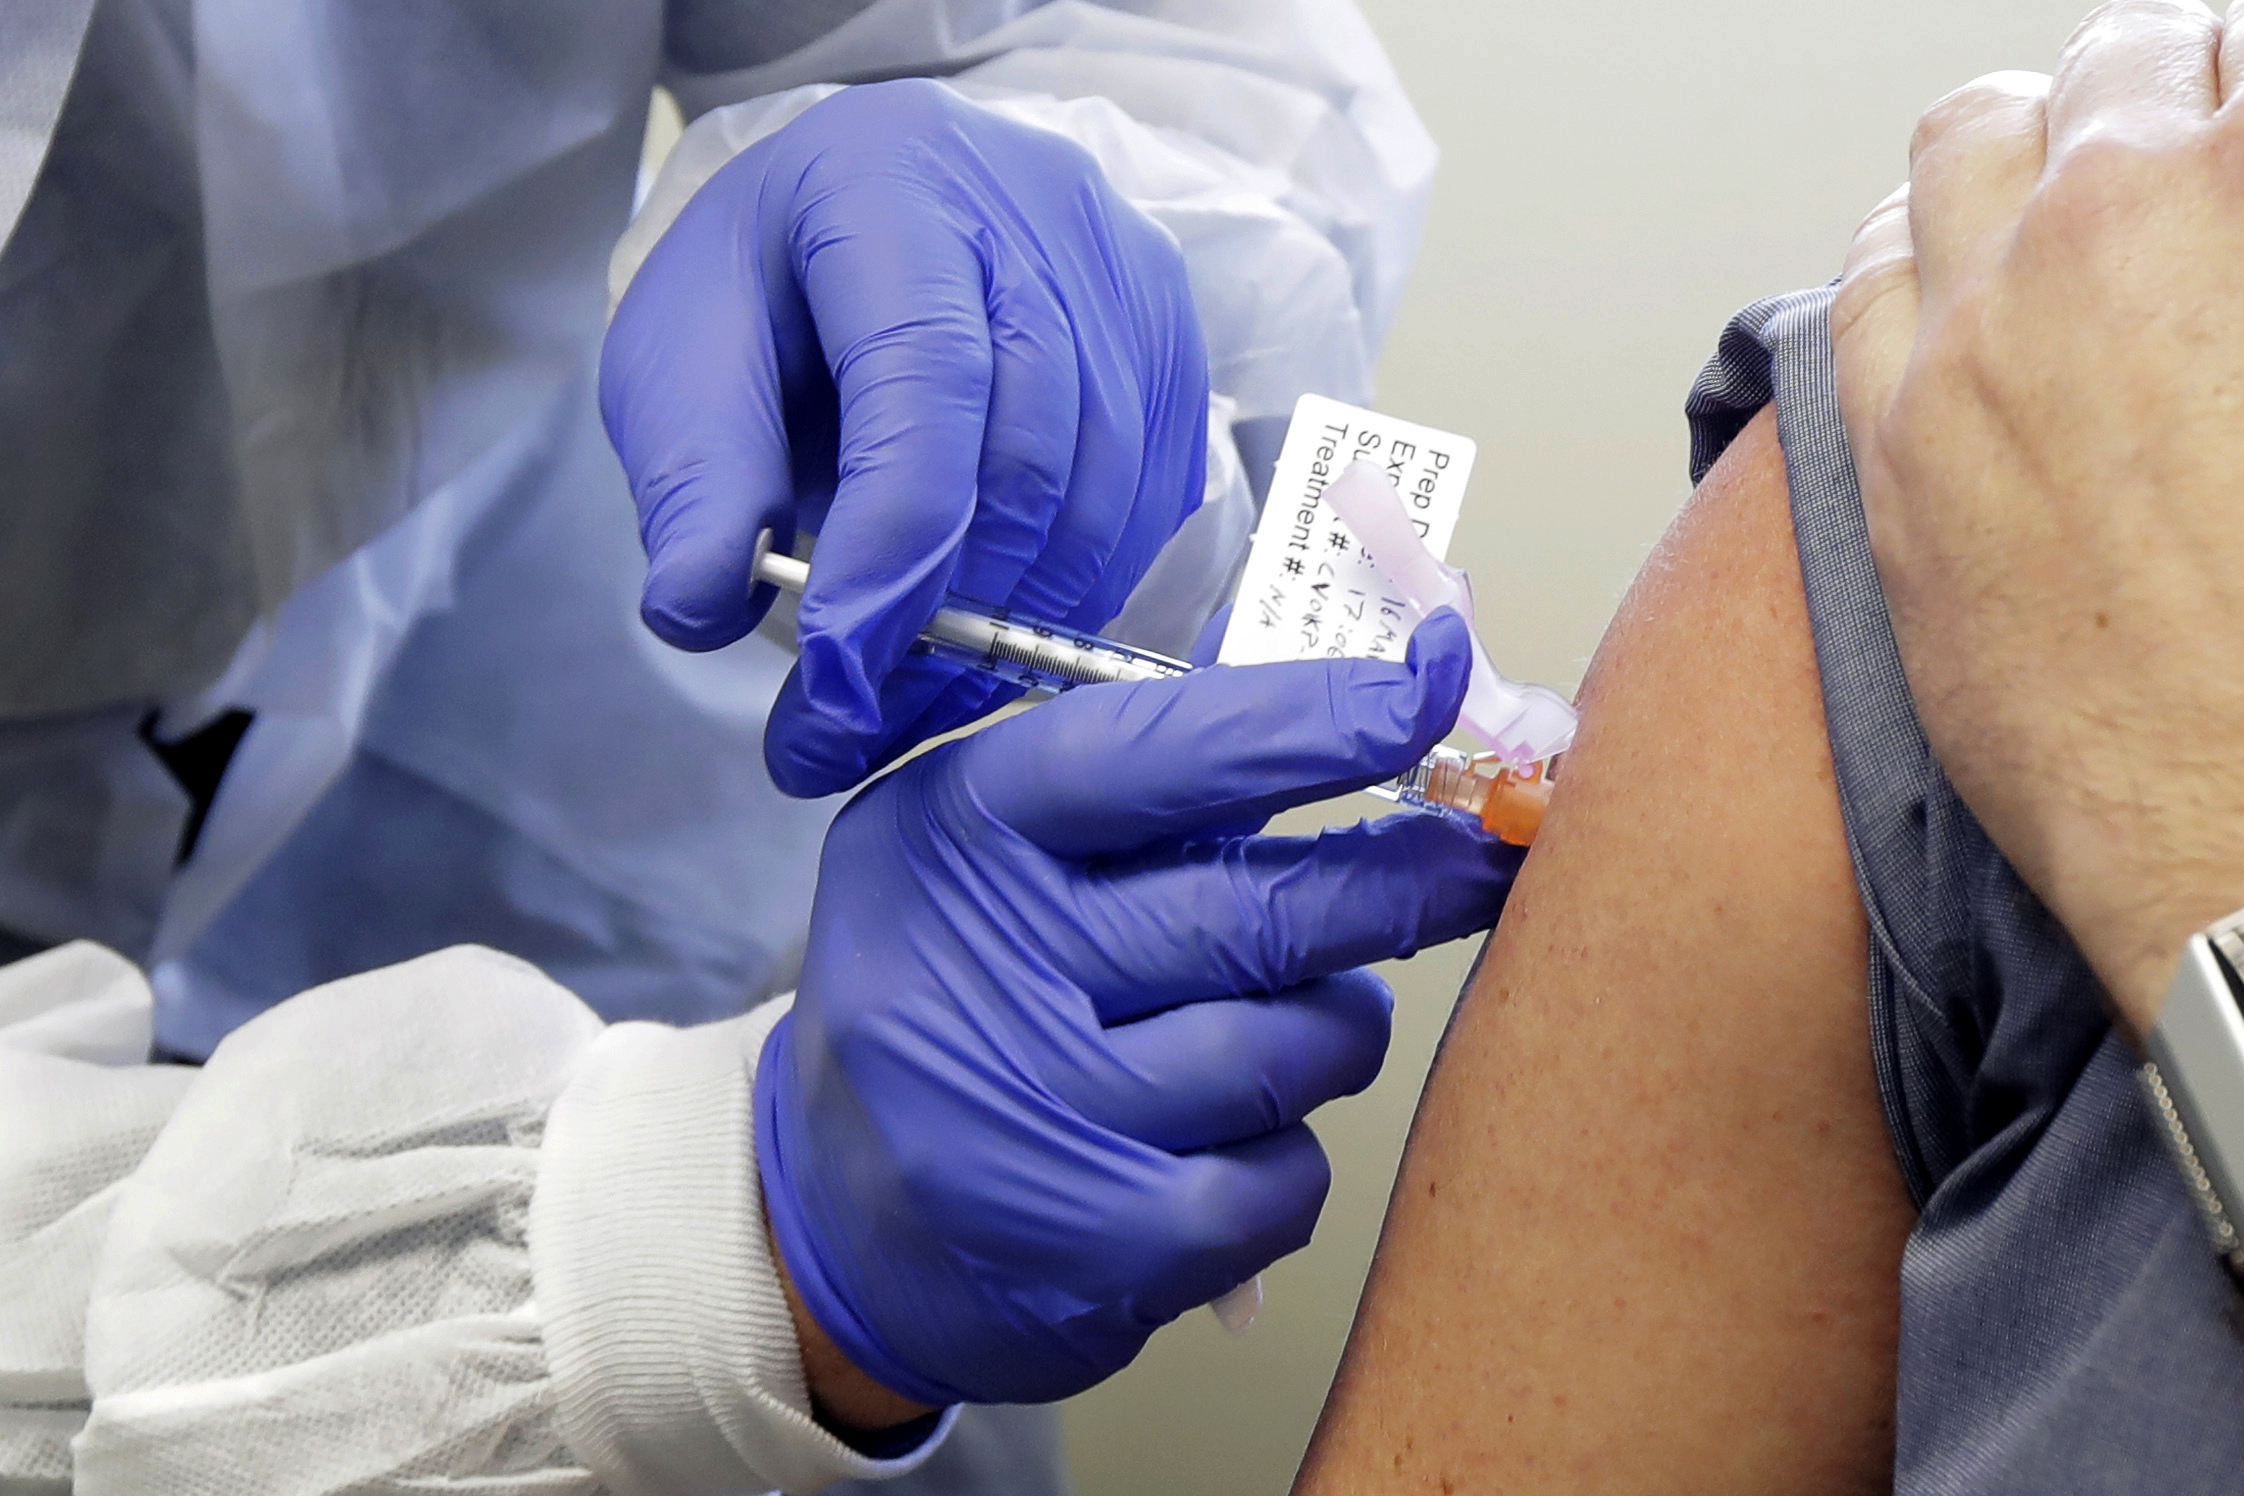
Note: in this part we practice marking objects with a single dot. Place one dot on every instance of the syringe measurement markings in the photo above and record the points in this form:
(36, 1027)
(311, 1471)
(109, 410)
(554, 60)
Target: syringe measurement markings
(1049, 656)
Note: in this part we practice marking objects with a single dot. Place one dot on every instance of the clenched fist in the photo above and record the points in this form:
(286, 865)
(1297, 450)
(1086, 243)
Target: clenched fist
(2041, 356)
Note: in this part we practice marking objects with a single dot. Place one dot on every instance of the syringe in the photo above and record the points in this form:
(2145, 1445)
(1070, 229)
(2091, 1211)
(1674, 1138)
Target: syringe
(1040, 656)
(1502, 799)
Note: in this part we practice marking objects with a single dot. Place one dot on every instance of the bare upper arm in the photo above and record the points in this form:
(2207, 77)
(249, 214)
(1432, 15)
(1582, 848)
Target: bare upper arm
(1646, 1235)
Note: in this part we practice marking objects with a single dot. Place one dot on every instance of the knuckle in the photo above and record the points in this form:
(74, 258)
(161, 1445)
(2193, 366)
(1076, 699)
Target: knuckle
(1201, 1220)
(1065, 157)
(915, 101)
(1992, 101)
(1893, 206)
(1207, 1217)
(2117, 162)
(1886, 226)
(1279, 955)
(2093, 165)
(1153, 249)
(1374, 719)
(2116, 20)
(1883, 244)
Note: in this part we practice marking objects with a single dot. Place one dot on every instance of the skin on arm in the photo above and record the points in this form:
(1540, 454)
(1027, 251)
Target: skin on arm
(1647, 1233)
(841, 1396)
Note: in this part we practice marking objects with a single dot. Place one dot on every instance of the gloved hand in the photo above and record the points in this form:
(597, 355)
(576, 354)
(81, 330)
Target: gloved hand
(940, 340)
(1042, 1087)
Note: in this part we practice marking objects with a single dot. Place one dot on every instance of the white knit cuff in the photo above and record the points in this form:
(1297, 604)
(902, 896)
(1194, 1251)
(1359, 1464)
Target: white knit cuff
(672, 1350)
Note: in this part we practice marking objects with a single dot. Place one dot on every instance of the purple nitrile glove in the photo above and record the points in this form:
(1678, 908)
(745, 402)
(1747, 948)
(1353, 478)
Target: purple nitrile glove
(939, 339)
(1043, 1085)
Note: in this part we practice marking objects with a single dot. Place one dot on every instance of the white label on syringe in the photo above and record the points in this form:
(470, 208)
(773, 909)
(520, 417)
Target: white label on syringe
(1309, 592)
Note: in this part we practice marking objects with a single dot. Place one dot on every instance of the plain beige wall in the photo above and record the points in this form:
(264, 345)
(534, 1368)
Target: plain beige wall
(1616, 181)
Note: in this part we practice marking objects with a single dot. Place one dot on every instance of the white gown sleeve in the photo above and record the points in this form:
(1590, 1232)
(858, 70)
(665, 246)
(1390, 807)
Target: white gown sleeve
(78, 1108)
(436, 1226)
(1271, 137)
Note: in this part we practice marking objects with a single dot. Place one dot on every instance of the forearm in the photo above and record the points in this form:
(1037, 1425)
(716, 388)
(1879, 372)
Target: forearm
(843, 1396)
(678, 1345)
(511, 1243)
(1647, 1232)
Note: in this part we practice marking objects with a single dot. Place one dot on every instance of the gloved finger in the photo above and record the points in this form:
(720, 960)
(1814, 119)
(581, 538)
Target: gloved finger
(1031, 457)
(1111, 769)
(692, 391)
(1089, 521)
(1028, 461)
(2135, 64)
(1172, 479)
(1173, 469)
(1270, 913)
(1229, 1213)
(1070, 522)
(1204, 651)
(1210, 643)
(924, 697)
(1210, 1073)
(1142, 456)
(1975, 160)
(897, 297)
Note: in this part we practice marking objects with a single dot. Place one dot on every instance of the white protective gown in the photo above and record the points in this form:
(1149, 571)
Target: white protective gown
(297, 332)
(426, 1225)
(300, 304)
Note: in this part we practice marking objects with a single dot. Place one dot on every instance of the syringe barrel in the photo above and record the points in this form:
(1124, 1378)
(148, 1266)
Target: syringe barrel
(1039, 655)
(1046, 657)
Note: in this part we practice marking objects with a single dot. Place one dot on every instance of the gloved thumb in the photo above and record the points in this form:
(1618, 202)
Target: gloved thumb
(1112, 769)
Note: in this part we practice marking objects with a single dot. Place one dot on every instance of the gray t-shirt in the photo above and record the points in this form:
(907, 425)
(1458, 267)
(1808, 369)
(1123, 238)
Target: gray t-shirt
(2064, 1325)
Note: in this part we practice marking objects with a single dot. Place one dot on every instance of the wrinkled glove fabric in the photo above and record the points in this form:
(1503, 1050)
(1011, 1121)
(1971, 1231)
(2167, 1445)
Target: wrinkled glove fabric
(940, 340)
(1042, 1090)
